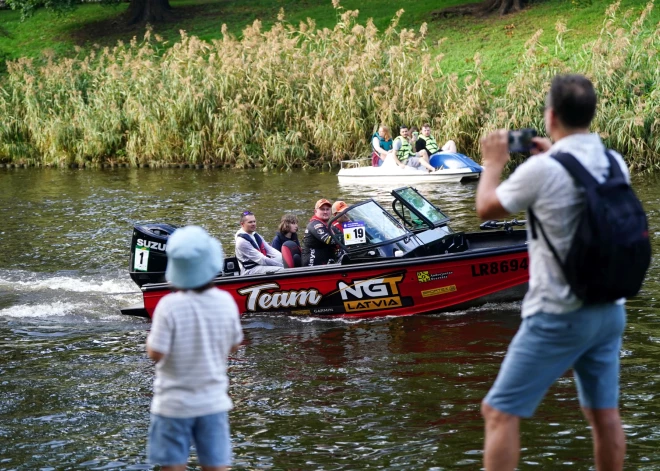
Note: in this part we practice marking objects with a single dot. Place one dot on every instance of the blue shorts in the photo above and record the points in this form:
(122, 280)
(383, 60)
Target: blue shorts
(547, 345)
(170, 439)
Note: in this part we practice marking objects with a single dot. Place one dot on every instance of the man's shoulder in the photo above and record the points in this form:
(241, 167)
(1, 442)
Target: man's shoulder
(242, 238)
(315, 223)
(541, 166)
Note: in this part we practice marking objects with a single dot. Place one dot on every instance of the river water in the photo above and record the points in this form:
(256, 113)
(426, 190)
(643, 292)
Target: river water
(387, 393)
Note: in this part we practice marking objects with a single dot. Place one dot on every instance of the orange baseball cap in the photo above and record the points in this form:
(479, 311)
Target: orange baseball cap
(338, 207)
(322, 202)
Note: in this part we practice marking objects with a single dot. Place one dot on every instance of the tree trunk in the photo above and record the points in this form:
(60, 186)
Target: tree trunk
(502, 6)
(483, 8)
(148, 11)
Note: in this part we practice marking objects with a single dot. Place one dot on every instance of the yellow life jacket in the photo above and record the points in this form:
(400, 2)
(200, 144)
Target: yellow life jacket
(406, 149)
(431, 146)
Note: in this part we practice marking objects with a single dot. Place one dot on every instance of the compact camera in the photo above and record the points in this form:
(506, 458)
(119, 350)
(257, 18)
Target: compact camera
(521, 140)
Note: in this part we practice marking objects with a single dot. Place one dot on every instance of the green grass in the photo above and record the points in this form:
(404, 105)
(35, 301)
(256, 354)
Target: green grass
(499, 40)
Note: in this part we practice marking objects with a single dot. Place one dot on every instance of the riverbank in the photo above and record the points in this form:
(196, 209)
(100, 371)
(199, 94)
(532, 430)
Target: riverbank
(300, 96)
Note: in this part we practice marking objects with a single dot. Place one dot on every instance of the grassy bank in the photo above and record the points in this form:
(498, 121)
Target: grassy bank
(299, 94)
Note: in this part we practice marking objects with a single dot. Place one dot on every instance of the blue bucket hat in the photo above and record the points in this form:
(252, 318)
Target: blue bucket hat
(194, 258)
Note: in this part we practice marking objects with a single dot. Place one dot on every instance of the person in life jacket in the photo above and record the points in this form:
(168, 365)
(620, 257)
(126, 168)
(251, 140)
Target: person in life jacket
(426, 145)
(255, 255)
(318, 245)
(381, 142)
(405, 155)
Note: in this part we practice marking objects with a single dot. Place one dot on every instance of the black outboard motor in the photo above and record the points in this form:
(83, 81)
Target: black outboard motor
(148, 258)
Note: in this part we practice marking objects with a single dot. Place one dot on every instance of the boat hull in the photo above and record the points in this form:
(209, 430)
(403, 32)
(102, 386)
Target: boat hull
(462, 168)
(399, 287)
(367, 175)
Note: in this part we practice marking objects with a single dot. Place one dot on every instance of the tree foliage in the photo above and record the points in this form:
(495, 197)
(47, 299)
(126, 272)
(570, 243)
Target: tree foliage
(139, 11)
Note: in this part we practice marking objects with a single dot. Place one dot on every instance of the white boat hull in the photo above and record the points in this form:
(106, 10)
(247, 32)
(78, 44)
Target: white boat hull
(352, 171)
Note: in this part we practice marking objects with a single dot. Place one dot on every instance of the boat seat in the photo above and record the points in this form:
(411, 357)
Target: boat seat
(344, 259)
(291, 255)
(451, 243)
(231, 267)
(455, 243)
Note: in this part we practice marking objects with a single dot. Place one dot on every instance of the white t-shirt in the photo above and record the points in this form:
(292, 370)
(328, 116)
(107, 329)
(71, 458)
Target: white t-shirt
(545, 185)
(196, 332)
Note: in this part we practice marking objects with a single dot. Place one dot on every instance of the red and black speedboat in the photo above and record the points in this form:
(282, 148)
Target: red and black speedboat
(390, 266)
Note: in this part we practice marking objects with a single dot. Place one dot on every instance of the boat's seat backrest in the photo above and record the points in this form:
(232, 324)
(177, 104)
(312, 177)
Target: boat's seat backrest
(291, 255)
(231, 267)
(451, 243)
(456, 242)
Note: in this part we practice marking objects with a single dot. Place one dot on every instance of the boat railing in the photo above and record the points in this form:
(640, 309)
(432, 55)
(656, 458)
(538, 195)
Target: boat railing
(355, 163)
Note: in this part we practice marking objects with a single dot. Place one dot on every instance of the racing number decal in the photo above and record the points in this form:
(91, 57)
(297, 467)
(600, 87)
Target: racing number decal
(354, 233)
(495, 268)
(141, 259)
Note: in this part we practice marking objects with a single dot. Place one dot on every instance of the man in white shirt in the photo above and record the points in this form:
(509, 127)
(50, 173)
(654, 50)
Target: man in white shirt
(254, 254)
(558, 331)
(194, 330)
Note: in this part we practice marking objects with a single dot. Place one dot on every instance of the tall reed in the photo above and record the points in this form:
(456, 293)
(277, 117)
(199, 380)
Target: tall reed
(305, 96)
(621, 62)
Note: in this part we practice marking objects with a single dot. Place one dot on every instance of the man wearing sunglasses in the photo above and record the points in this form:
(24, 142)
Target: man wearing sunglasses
(254, 254)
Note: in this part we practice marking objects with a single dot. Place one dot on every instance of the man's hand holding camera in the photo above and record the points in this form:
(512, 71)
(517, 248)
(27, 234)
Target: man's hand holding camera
(495, 150)
(497, 146)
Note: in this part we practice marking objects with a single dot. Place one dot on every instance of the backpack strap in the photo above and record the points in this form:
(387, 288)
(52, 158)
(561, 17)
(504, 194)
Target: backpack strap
(615, 168)
(580, 174)
(535, 222)
(582, 177)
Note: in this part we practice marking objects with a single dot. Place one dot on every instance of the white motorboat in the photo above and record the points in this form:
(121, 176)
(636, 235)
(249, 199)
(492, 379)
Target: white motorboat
(450, 167)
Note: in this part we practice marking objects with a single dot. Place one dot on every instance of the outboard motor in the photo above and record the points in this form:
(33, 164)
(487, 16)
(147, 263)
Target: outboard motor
(148, 258)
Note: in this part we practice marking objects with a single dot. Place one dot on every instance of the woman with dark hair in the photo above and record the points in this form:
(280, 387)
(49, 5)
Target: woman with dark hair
(288, 231)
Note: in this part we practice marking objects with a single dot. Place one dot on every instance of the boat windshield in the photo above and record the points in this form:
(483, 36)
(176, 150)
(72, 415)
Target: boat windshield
(449, 161)
(368, 223)
(420, 206)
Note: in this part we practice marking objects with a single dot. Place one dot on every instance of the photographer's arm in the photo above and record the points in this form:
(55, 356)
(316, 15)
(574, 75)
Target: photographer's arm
(495, 155)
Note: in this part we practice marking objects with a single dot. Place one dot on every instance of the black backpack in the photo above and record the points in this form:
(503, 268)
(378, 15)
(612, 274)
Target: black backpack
(611, 251)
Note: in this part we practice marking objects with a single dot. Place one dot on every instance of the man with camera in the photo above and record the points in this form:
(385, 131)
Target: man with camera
(558, 331)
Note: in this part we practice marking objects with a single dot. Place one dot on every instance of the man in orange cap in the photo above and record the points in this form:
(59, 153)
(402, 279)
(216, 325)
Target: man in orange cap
(318, 246)
(338, 207)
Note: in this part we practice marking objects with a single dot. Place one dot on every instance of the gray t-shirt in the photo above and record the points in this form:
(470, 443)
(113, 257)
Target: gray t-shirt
(196, 332)
(543, 184)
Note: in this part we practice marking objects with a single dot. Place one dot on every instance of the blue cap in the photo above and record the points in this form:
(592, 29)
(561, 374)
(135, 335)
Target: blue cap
(194, 258)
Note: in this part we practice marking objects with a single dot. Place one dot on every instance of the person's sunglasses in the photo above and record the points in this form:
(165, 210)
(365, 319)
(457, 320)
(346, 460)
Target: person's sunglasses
(248, 213)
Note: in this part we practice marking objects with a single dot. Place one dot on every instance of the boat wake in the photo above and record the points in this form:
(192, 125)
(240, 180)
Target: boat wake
(65, 296)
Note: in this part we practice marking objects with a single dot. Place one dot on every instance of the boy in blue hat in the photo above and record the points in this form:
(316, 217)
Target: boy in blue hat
(194, 330)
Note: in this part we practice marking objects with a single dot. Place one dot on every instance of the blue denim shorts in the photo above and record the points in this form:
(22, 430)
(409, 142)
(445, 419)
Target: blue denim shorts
(547, 345)
(170, 439)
